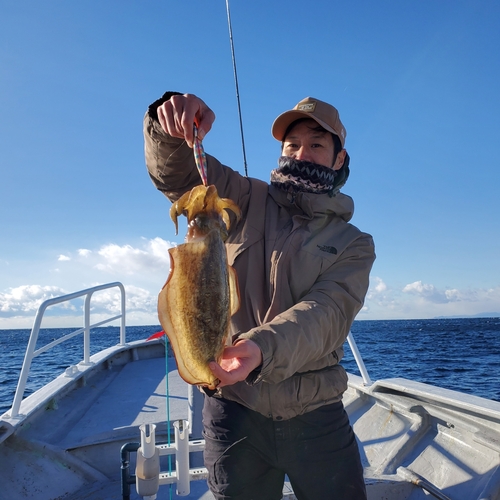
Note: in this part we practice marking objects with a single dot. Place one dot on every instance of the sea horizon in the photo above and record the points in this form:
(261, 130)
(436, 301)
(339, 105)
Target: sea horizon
(76, 326)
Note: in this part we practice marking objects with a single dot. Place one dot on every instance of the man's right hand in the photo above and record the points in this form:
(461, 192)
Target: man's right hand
(178, 115)
(237, 362)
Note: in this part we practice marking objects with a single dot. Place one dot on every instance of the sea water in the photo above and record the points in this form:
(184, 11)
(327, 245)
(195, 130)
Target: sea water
(459, 354)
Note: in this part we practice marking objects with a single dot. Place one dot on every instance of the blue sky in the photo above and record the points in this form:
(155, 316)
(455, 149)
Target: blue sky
(416, 83)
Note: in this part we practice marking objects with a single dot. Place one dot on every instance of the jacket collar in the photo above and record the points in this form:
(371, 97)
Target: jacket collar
(311, 205)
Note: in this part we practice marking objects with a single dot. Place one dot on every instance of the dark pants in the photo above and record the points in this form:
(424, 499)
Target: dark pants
(247, 455)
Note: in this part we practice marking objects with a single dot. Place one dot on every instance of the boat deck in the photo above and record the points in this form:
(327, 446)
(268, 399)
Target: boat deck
(75, 428)
(86, 428)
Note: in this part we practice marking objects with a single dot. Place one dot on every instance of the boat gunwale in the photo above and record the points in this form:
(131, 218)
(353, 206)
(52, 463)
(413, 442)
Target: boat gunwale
(63, 384)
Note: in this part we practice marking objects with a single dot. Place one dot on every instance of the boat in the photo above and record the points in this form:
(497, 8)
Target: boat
(121, 424)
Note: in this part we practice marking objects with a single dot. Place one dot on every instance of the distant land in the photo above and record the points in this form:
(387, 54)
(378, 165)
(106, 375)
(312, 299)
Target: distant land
(480, 315)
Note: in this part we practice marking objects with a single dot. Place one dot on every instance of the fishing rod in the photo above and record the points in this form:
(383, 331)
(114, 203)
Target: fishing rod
(236, 85)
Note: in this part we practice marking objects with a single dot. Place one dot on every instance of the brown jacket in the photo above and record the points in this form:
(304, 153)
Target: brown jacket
(303, 272)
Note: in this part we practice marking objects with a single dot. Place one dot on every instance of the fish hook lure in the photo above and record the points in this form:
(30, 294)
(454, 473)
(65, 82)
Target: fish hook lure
(200, 157)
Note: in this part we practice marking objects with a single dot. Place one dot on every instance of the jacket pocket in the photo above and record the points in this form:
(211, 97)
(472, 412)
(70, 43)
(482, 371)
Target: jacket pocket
(315, 389)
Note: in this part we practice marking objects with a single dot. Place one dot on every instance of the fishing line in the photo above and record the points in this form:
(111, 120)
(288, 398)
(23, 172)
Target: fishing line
(168, 412)
(236, 85)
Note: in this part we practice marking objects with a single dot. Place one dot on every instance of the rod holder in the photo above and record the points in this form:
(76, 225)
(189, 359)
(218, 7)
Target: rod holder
(147, 470)
(181, 431)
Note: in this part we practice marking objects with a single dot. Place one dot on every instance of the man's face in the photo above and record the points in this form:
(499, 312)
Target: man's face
(303, 142)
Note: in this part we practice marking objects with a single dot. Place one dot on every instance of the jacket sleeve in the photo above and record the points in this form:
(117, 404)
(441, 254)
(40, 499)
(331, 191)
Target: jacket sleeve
(306, 337)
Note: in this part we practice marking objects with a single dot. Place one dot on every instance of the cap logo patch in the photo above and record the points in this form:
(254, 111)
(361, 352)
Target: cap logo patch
(308, 108)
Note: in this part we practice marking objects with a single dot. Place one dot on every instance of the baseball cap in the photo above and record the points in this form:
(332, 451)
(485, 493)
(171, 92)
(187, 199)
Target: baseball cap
(323, 113)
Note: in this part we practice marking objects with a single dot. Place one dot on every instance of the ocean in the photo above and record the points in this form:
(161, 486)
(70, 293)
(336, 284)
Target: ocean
(459, 354)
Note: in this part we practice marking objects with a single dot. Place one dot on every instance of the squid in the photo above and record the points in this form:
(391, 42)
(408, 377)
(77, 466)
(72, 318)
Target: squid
(201, 293)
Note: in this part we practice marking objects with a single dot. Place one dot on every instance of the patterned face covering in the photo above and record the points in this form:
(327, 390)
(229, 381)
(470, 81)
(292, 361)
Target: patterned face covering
(298, 175)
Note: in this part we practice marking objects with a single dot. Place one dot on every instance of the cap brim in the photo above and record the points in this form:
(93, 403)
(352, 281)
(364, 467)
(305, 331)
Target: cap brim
(288, 117)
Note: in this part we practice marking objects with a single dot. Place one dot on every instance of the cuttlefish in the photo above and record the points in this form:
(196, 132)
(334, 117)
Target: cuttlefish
(201, 293)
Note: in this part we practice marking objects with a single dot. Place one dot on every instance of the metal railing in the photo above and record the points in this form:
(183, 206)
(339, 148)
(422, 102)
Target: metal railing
(359, 360)
(31, 353)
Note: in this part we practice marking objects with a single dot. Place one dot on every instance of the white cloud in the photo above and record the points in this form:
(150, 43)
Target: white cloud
(18, 306)
(378, 296)
(428, 292)
(129, 260)
(128, 263)
(377, 286)
(432, 294)
(136, 300)
(142, 268)
(26, 299)
(425, 300)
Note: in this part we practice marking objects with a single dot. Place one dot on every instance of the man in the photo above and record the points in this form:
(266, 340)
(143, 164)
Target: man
(303, 272)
